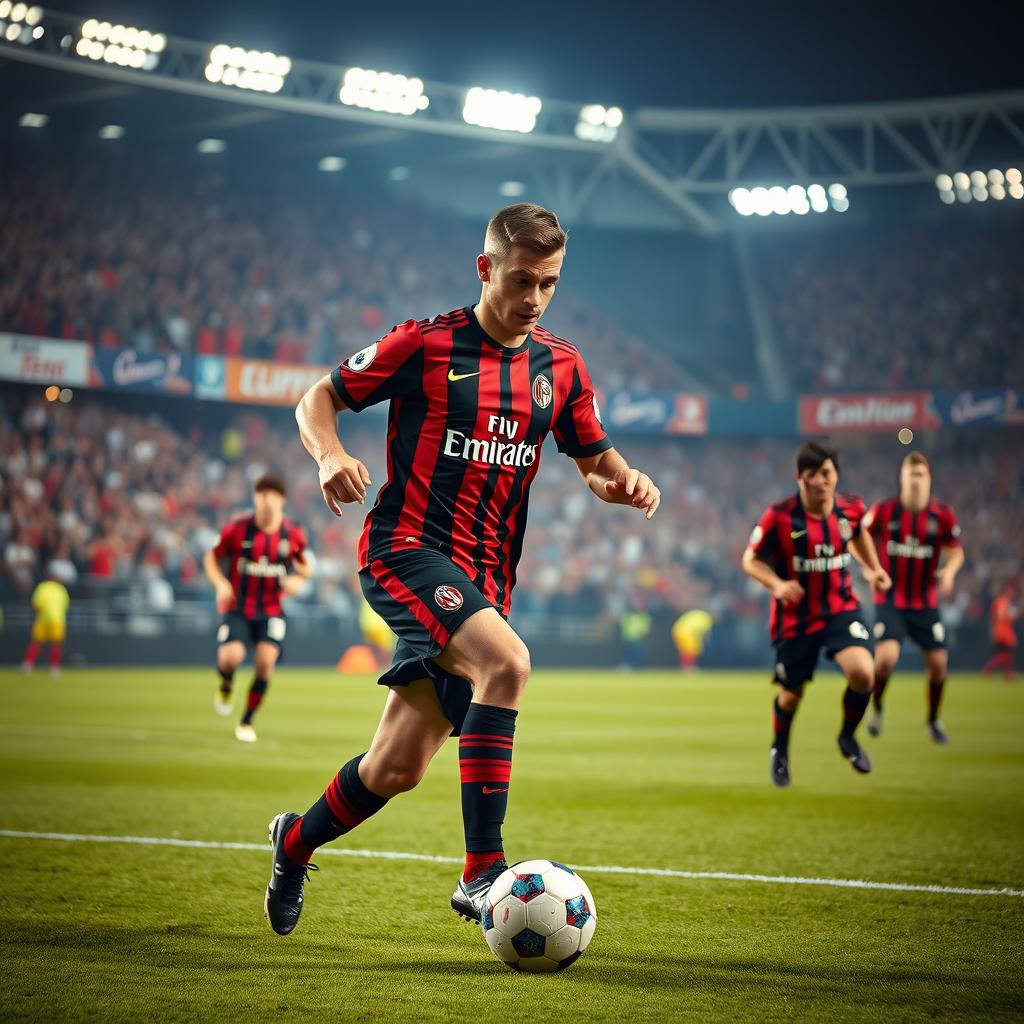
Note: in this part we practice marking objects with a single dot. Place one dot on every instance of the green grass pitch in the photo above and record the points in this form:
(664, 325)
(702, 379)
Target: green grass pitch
(642, 770)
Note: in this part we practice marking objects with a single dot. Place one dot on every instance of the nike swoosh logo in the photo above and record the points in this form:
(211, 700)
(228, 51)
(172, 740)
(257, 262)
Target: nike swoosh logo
(453, 376)
(488, 791)
(794, 534)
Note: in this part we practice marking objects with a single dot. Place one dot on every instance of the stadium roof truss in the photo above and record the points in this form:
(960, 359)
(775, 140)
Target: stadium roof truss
(664, 168)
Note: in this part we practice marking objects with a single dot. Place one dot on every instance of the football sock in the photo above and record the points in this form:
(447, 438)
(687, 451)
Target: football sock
(935, 698)
(782, 721)
(32, 652)
(881, 682)
(56, 650)
(345, 803)
(485, 768)
(854, 706)
(256, 694)
(227, 681)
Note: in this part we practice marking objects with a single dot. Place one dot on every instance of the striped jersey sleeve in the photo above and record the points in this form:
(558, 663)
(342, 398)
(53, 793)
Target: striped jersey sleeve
(228, 541)
(764, 537)
(578, 430)
(384, 370)
(949, 527)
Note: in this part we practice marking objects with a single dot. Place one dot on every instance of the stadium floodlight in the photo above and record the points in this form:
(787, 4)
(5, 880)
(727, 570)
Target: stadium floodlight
(512, 189)
(506, 111)
(257, 70)
(331, 164)
(112, 131)
(979, 186)
(19, 23)
(211, 146)
(123, 45)
(781, 199)
(382, 91)
(597, 123)
(34, 120)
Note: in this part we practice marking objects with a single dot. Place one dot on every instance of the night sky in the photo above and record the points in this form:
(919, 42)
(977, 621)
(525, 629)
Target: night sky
(736, 54)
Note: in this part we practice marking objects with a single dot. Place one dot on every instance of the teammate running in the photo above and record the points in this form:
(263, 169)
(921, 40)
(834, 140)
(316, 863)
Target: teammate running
(50, 602)
(266, 556)
(473, 395)
(800, 551)
(1004, 612)
(911, 533)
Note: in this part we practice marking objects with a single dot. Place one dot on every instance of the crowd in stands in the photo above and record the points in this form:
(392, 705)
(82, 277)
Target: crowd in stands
(918, 308)
(160, 258)
(100, 491)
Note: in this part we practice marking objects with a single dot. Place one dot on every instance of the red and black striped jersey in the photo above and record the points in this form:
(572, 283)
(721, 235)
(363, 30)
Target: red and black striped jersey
(909, 547)
(465, 427)
(813, 551)
(258, 562)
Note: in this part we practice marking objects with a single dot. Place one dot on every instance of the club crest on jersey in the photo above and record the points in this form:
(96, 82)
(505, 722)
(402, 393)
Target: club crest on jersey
(448, 598)
(363, 358)
(845, 529)
(542, 391)
(283, 548)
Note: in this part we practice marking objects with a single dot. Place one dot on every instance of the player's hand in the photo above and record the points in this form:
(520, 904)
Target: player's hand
(878, 579)
(225, 597)
(631, 487)
(343, 480)
(789, 592)
(944, 583)
(292, 585)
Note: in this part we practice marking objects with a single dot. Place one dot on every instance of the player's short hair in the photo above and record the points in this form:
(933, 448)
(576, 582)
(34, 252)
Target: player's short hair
(916, 458)
(813, 455)
(525, 224)
(271, 482)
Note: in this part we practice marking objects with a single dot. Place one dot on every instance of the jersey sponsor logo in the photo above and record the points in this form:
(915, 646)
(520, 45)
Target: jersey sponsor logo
(542, 392)
(821, 563)
(264, 568)
(859, 631)
(454, 377)
(363, 358)
(447, 597)
(491, 450)
(910, 547)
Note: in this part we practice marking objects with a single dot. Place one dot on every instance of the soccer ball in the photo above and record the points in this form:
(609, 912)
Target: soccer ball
(539, 916)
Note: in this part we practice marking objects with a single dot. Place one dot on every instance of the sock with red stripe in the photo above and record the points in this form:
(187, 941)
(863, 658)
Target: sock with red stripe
(345, 804)
(56, 652)
(782, 721)
(854, 706)
(935, 689)
(485, 768)
(32, 652)
(881, 682)
(257, 692)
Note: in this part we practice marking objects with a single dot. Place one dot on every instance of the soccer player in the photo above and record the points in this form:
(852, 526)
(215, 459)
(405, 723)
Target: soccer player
(800, 551)
(1004, 637)
(50, 602)
(266, 560)
(473, 395)
(912, 532)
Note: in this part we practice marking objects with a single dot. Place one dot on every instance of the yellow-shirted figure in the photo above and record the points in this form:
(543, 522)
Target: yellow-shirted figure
(377, 633)
(50, 602)
(688, 633)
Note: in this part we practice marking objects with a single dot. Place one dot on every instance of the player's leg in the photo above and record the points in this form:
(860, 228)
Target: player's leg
(230, 654)
(264, 659)
(56, 655)
(413, 728)
(936, 663)
(488, 652)
(857, 665)
(887, 656)
(35, 645)
(784, 709)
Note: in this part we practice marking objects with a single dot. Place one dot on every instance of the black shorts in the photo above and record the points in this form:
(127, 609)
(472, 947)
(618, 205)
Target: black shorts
(424, 597)
(236, 628)
(924, 627)
(797, 657)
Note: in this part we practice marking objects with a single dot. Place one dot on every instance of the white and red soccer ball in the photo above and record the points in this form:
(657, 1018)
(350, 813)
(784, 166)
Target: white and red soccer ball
(539, 916)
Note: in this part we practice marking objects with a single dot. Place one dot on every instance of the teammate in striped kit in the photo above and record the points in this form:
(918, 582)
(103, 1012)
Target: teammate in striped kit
(912, 533)
(266, 558)
(800, 551)
(472, 394)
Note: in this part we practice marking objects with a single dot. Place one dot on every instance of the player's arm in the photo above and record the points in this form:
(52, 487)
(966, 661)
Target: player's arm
(612, 479)
(343, 479)
(221, 584)
(756, 568)
(954, 558)
(862, 547)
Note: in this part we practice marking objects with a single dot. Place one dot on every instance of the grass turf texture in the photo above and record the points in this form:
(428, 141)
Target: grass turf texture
(641, 769)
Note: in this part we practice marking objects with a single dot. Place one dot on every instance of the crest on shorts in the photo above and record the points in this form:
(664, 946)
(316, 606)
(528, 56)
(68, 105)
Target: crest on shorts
(845, 529)
(859, 631)
(448, 598)
(542, 391)
(362, 359)
(879, 630)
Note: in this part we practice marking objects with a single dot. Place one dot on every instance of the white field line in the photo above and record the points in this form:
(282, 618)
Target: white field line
(727, 876)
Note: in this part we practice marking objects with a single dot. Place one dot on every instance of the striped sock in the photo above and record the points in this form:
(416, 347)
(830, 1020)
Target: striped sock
(257, 692)
(485, 768)
(782, 721)
(345, 804)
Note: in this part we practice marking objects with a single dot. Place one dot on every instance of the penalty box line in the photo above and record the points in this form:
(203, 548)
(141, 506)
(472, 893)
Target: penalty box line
(726, 876)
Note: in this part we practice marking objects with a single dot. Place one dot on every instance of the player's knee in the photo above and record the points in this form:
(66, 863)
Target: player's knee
(505, 676)
(398, 776)
(860, 679)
